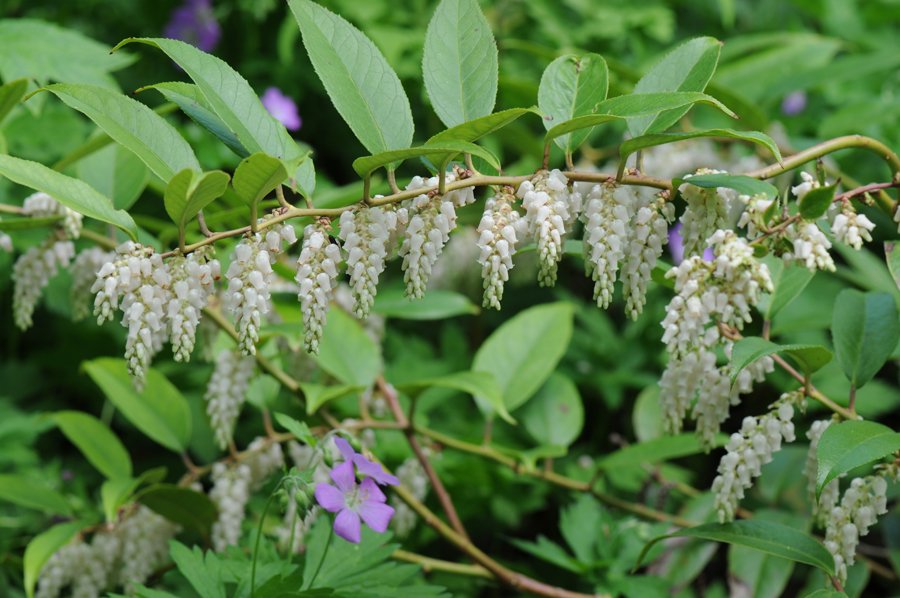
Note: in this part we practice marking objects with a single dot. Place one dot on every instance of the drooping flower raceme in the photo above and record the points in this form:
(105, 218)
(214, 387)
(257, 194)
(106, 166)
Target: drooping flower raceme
(226, 393)
(366, 233)
(649, 235)
(808, 183)
(828, 498)
(704, 213)
(84, 272)
(432, 217)
(497, 243)
(607, 217)
(193, 282)
(412, 477)
(549, 207)
(317, 277)
(230, 493)
(852, 228)
(810, 246)
(41, 205)
(31, 273)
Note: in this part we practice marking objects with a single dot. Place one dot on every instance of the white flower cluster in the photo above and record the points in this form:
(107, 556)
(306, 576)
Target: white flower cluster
(84, 272)
(317, 278)
(497, 244)
(366, 233)
(754, 214)
(550, 207)
(808, 183)
(31, 273)
(192, 283)
(709, 294)
(810, 246)
(862, 503)
(830, 494)
(852, 228)
(6, 242)
(122, 555)
(249, 277)
(749, 450)
(412, 477)
(41, 205)
(649, 233)
(607, 217)
(432, 218)
(705, 212)
(226, 393)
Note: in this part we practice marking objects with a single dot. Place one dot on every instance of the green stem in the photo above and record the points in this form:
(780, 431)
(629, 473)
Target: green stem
(259, 527)
(429, 564)
(322, 560)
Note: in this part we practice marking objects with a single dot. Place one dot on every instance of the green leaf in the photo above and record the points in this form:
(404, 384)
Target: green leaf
(42, 547)
(160, 411)
(811, 358)
(555, 415)
(206, 575)
(622, 107)
(771, 538)
(571, 86)
(317, 395)
(689, 67)
(117, 492)
(763, 575)
(816, 202)
(744, 185)
(132, 124)
(635, 144)
(445, 150)
(115, 172)
(68, 191)
(479, 127)
(96, 442)
(892, 255)
(347, 352)
(459, 64)
(361, 84)
(192, 102)
(865, 328)
(189, 191)
(789, 281)
(435, 305)
(188, 508)
(10, 95)
(257, 176)
(32, 494)
(477, 384)
(656, 451)
(524, 351)
(231, 98)
(848, 445)
(299, 429)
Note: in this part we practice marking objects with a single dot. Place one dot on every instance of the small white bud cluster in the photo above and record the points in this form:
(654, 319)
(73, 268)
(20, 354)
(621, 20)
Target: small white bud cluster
(862, 503)
(497, 243)
(749, 450)
(226, 393)
(230, 493)
(70, 566)
(808, 183)
(650, 232)
(249, 277)
(41, 205)
(412, 477)
(810, 246)
(754, 214)
(264, 458)
(432, 218)
(317, 277)
(549, 207)
(31, 273)
(830, 494)
(607, 217)
(192, 284)
(84, 272)
(366, 233)
(704, 213)
(852, 228)
(6, 242)
(143, 546)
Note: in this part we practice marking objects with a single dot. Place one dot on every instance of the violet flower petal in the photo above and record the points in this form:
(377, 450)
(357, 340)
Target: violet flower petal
(282, 108)
(794, 103)
(194, 22)
(344, 447)
(374, 471)
(377, 515)
(330, 498)
(344, 477)
(369, 490)
(347, 526)
(676, 244)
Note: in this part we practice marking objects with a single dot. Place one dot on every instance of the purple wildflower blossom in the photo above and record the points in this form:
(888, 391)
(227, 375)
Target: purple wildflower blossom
(282, 108)
(364, 466)
(194, 22)
(676, 246)
(794, 103)
(353, 502)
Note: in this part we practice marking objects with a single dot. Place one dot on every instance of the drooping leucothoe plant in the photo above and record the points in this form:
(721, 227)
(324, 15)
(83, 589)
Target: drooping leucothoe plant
(746, 241)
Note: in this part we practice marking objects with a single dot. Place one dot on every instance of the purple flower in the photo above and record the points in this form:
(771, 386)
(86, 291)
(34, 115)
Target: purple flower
(194, 22)
(676, 246)
(364, 466)
(282, 108)
(794, 103)
(352, 502)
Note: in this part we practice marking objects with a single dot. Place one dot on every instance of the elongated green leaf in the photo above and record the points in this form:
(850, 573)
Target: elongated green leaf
(865, 328)
(572, 86)
(435, 305)
(317, 395)
(160, 411)
(117, 492)
(257, 176)
(459, 64)
(892, 256)
(190, 191)
(850, 444)
(524, 351)
(656, 451)
(766, 536)
(11, 94)
(116, 173)
(789, 280)
(204, 572)
(68, 191)
(689, 67)
(299, 429)
(811, 358)
(42, 547)
(621, 107)
(191, 509)
(742, 184)
(32, 494)
(96, 442)
(816, 202)
(192, 102)
(477, 384)
(133, 125)
(474, 130)
(555, 415)
(635, 144)
(764, 575)
(231, 98)
(347, 352)
(361, 84)
(439, 151)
